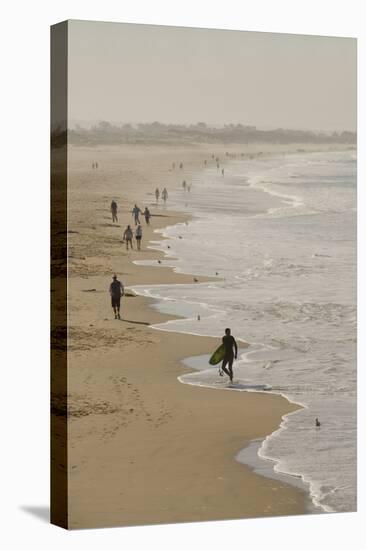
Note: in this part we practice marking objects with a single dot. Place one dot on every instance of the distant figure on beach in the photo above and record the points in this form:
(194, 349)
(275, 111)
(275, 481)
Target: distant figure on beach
(184, 184)
(223, 172)
(147, 215)
(114, 211)
(317, 423)
(173, 165)
(116, 290)
(93, 165)
(181, 166)
(96, 165)
(164, 194)
(231, 353)
(138, 236)
(157, 194)
(127, 236)
(136, 212)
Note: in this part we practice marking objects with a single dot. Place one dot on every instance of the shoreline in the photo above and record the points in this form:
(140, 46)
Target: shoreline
(91, 420)
(258, 465)
(293, 478)
(313, 481)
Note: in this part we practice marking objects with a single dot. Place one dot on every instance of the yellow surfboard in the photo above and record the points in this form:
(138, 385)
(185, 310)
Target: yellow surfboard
(217, 355)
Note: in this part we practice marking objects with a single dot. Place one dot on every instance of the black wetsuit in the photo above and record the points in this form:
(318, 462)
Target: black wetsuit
(230, 345)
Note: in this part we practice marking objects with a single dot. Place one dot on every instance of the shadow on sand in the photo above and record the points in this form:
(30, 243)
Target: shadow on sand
(135, 322)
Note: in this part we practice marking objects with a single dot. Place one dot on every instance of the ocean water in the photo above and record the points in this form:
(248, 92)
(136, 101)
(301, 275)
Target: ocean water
(279, 234)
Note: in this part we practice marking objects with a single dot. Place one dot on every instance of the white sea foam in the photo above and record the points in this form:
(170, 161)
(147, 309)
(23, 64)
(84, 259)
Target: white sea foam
(280, 232)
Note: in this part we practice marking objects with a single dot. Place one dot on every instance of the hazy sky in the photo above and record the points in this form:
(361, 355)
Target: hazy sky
(142, 73)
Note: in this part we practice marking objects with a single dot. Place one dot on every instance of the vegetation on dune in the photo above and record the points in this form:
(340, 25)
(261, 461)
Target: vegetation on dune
(107, 133)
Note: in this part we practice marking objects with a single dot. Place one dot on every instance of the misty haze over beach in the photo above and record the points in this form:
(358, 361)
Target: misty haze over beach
(147, 73)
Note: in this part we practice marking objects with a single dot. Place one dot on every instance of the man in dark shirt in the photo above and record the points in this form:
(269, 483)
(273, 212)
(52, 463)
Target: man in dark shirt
(229, 345)
(116, 290)
(136, 212)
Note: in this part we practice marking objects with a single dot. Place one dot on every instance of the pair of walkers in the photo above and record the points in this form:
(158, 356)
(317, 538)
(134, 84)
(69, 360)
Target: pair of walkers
(164, 194)
(136, 211)
(128, 237)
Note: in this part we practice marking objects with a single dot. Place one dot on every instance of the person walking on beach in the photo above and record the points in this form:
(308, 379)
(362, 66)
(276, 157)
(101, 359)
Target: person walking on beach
(223, 172)
(157, 194)
(138, 236)
(135, 212)
(164, 194)
(181, 166)
(147, 215)
(184, 185)
(114, 211)
(231, 353)
(127, 236)
(116, 290)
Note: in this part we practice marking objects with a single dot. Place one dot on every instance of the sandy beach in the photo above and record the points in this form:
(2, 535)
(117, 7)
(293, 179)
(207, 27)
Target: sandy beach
(144, 448)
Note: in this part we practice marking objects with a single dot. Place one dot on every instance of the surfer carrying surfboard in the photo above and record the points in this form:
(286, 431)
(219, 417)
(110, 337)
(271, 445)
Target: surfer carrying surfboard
(231, 353)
